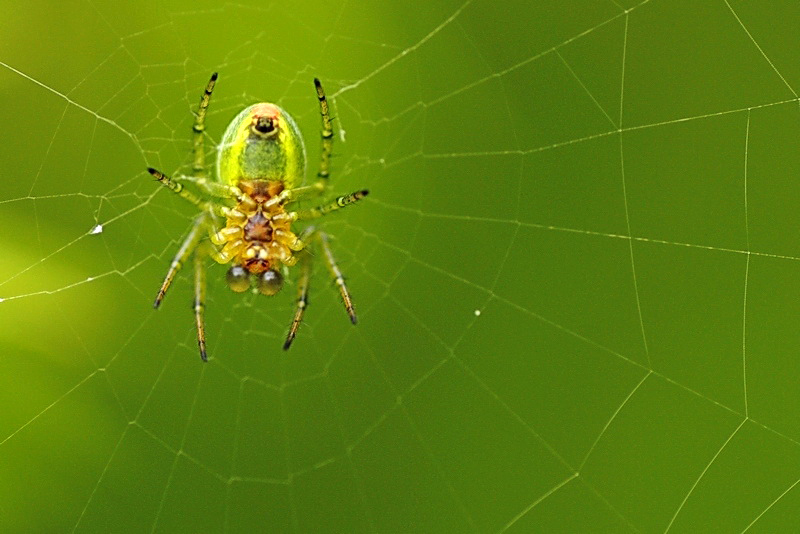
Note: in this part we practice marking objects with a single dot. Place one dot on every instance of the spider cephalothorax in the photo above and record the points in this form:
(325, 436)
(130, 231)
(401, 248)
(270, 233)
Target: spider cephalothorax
(258, 233)
(261, 163)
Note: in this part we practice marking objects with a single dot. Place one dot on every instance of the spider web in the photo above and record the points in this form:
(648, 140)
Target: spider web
(575, 275)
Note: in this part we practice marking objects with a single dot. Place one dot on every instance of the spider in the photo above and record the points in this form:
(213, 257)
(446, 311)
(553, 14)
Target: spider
(261, 164)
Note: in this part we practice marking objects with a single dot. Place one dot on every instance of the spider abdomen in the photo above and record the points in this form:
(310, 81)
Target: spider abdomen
(262, 144)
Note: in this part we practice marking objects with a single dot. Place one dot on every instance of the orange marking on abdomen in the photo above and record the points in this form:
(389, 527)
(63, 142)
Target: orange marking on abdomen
(266, 110)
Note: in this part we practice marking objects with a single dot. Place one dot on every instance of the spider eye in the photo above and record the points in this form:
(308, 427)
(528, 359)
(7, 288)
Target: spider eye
(270, 282)
(238, 279)
(264, 125)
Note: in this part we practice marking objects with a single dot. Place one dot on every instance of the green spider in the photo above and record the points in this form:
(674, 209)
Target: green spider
(261, 163)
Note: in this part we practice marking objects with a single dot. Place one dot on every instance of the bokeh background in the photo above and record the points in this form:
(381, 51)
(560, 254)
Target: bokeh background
(578, 272)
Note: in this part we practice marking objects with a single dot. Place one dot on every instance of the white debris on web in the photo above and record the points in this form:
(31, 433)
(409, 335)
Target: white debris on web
(342, 134)
(477, 313)
(98, 228)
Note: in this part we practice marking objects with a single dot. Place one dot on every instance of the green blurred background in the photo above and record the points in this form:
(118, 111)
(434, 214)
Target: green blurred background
(577, 273)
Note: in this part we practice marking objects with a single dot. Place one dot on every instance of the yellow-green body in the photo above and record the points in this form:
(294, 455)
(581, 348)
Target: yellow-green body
(261, 165)
(246, 154)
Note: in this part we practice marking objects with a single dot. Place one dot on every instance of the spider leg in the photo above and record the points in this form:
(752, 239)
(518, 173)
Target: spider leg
(302, 299)
(199, 305)
(327, 138)
(228, 252)
(199, 127)
(289, 195)
(187, 247)
(177, 188)
(337, 277)
(339, 203)
(224, 235)
(212, 188)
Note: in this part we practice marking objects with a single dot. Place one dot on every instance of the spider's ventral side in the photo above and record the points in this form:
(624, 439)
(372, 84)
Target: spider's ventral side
(261, 165)
(264, 233)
